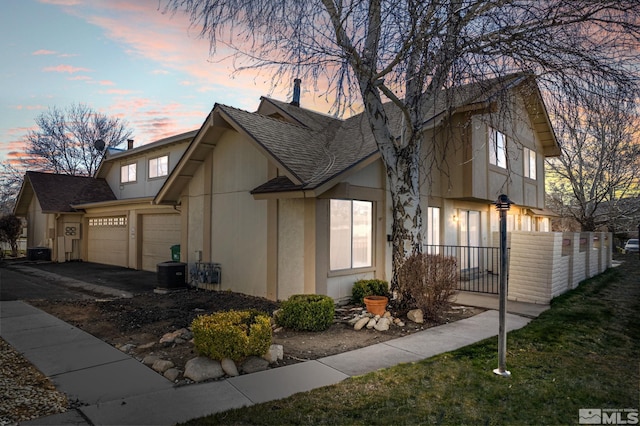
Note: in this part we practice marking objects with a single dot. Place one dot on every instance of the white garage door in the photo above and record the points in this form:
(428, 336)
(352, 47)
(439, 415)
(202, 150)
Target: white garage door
(107, 240)
(159, 233)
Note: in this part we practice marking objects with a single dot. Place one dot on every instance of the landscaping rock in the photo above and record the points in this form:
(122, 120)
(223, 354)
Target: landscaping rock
(371, 323)
(361, 323)
(178, 336)
(274, 354)
(203, 368)
(253, 364)
(386, 314)
(162, 365)
(150, 359)
(126, 348)
(416, 316)
(147, 345)
(382, 324)
(229, 367)
(172, 374)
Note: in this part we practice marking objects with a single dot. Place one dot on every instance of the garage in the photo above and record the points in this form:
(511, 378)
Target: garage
(107, 240)
(159, 233)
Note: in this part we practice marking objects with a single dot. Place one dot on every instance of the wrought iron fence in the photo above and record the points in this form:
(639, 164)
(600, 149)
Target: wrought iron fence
(478, 267)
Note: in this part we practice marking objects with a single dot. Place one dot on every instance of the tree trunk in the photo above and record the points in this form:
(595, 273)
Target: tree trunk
(401, 160)
(407, 215)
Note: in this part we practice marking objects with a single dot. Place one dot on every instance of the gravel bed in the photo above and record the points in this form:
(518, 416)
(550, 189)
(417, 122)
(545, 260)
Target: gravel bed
(25, 393)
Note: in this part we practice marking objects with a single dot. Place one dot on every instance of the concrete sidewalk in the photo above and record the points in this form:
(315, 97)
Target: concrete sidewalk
(109, 387)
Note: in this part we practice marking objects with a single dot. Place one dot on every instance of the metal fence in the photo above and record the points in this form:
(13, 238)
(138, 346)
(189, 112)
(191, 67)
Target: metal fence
(478, 267)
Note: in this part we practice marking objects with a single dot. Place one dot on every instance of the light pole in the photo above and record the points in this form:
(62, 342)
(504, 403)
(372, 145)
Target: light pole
(502, 205)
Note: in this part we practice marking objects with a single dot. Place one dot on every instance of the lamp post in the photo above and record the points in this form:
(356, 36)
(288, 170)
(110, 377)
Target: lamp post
(502, 205)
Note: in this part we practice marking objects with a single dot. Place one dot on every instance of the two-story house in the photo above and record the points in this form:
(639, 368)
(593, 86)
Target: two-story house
(287, 200)
(108, 218)
(291, 201)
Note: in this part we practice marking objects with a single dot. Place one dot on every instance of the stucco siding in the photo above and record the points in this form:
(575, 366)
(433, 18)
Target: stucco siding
(238, 222)
(290, 247)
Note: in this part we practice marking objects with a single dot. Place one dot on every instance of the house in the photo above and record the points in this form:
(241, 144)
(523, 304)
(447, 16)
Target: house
(108, 218)
(290, 201)
(287, 200)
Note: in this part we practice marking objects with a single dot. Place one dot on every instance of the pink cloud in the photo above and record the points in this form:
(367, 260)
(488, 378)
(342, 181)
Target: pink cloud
(29, 107)
(65, 68)
(117, 92)
(62, 2)
(80, 77)
(106, 83)
(44, 52)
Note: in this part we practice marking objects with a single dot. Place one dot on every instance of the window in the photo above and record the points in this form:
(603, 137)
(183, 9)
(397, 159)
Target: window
(159, 166)
(351, 234)
(529, 164)
(128, 173)
(433, 229)
(108, 221)
(497, 148)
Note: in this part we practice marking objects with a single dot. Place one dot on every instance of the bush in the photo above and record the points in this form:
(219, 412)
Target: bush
(232, 334)
(306, 312)
(364, 288)
(429, 281)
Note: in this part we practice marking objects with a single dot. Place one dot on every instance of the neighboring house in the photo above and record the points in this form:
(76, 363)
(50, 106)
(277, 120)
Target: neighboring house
(287, 200)
(46, 201)
(110, 216)
(290, 201)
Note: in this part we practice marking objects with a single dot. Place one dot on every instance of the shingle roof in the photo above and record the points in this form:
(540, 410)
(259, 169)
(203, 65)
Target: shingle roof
(311, 156)
(57, 193)
(320, 147)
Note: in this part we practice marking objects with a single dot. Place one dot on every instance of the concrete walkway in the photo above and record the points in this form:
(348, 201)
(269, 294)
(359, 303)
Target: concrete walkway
(108, 387)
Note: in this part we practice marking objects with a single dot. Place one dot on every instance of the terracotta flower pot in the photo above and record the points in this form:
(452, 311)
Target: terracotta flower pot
(376, 305)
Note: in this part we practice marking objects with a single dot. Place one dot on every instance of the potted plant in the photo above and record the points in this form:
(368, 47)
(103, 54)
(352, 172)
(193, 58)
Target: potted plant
(372, 293)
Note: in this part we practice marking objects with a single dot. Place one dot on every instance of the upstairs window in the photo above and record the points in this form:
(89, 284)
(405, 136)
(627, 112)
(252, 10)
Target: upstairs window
(497, 148)
(159, 166)
(351, 234)
(530, 164)
(128, 173)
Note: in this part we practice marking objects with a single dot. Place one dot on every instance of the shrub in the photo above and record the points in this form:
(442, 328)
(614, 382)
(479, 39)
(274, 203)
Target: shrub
(232, 334)
(429, 281)
(306, 312)
(364, 288)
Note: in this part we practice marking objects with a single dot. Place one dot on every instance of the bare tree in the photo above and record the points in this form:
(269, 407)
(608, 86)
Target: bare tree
(64, 141)
(408, 51)
(597, 174)
(10, 182)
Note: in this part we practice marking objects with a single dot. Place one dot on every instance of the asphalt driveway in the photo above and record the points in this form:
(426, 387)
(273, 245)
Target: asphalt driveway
(23, 280)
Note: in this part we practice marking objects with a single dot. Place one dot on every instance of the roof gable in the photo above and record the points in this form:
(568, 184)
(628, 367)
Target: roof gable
(56, 193)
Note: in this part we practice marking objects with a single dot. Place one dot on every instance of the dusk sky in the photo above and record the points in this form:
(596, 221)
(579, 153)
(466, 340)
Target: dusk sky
(123, 58)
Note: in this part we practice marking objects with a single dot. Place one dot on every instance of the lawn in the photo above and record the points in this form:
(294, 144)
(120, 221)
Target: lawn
(582, 353)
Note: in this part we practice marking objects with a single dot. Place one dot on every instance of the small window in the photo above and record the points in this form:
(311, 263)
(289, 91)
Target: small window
(128, 173)
(433, 230)
(351, 234)
(530, 164)
(159, 166)
(498, 148)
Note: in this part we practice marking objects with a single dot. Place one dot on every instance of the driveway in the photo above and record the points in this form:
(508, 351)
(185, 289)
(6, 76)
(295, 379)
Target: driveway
(23, 280)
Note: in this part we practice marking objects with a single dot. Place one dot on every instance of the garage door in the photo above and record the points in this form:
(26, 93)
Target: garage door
(159, 233)
(107, 240)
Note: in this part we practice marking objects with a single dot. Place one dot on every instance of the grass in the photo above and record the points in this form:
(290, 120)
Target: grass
(582, 353)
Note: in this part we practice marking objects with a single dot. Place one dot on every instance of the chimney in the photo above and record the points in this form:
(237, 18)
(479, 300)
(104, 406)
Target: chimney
(129, 143)
(296, 92)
